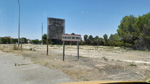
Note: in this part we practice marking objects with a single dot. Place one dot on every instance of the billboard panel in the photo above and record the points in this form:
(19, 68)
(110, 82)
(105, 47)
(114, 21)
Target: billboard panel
(55, 27)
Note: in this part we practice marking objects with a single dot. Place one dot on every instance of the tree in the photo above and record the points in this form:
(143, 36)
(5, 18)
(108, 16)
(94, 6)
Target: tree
(85, 39)
(0, 40)
(114, 40)
(96, 40)
(5, 40)
(14, 40)
(44, 38)
(126, 29)
(36, 41)
(81, 42)
(134, 31)
(114, 37)
(24, 39)
(100, 41)
(90, 39)
(105, 38)
(73, 33)
(143, 28)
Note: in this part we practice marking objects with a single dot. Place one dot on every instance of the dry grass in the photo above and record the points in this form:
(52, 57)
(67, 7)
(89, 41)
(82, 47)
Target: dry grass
(93, 63)
(15, 47)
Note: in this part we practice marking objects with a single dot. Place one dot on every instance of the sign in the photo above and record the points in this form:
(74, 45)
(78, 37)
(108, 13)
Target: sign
(55, 27)
(21, 40)
(70, 37)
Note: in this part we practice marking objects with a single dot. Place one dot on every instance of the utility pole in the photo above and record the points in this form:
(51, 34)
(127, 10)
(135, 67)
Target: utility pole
(19, 25)
(42, 33)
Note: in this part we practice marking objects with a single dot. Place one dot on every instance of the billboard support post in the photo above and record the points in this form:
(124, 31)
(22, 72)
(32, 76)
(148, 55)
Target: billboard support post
(21, 46)
(63, 50)
(78, 50)
(19, 25)
(21, 41)
(42, 35)
(47, 47)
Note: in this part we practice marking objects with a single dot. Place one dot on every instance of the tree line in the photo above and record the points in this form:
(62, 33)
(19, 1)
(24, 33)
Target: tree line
(132, 32)
(10, 40)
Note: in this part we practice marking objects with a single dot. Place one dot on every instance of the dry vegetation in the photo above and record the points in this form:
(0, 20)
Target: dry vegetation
(95, 63)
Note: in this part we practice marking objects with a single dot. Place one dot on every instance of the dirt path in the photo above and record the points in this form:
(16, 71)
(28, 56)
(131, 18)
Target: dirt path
(15, 69)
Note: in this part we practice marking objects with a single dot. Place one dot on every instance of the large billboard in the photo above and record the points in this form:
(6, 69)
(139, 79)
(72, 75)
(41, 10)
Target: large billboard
(55, 27)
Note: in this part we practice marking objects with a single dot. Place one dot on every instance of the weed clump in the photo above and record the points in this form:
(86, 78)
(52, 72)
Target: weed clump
(104, 58)
(32, 49)
(132, 64)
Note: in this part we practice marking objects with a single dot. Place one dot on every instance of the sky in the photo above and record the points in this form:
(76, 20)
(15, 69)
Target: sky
(91, 17)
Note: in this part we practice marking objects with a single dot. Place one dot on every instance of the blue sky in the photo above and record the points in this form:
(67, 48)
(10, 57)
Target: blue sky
(91, 17)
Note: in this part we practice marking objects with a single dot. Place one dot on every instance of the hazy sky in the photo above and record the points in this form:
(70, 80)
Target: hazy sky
(92, 17)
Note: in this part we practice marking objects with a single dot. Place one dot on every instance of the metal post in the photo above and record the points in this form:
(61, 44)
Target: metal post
(78, 50)
(63, 50)
(19, 25)
(47, 47)
(21, 46)
(42, 34)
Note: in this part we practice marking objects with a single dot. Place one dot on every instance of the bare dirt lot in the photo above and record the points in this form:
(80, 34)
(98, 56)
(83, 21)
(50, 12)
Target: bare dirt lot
(95, 63)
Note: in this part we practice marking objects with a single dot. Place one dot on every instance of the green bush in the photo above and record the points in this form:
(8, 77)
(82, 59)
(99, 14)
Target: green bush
(115, 43)
(119, 43)
(128, 45)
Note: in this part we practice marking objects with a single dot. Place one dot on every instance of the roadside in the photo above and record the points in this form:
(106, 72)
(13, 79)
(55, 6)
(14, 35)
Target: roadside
(95, 63)
(16, 69)
(91, 69)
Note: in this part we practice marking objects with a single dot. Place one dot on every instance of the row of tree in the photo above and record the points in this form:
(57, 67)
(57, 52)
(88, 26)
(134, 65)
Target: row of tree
(9, 40)
(113, 40)
(132, 32)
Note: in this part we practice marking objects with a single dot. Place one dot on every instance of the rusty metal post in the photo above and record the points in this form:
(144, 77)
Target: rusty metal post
(78, 50)
(21, 46)
(47, 47)
(63, 50)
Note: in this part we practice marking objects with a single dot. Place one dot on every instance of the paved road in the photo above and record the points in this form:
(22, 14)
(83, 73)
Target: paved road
(15, 69)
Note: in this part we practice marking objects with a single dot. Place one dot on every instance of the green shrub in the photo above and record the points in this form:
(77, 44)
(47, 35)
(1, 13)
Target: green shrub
(128, 45)
(119, 43)
(115, 43)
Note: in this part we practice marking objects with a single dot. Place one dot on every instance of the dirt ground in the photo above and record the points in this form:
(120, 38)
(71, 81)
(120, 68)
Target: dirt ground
(95, 63)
